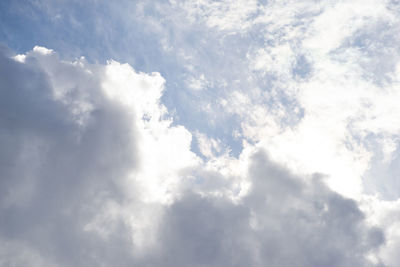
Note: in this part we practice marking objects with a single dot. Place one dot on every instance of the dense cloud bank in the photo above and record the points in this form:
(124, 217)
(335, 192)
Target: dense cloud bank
(281, 222)
(94, 173)
(59, 164)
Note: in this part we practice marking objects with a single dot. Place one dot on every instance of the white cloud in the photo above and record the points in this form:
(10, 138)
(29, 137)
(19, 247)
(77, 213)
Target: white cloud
(209, 147)
(227, 15)
(95, 174)
(80, 143)
(314, 83)
(321, 106)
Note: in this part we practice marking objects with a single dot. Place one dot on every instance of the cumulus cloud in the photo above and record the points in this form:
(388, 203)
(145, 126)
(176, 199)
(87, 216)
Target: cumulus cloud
(95, 173)
(282, 221)
(72, 149)
(65, 152)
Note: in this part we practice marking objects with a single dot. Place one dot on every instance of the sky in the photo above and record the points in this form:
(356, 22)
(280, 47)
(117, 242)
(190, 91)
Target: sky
(199, 133)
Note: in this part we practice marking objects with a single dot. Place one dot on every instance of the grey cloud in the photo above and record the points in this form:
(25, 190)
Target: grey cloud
(57, 175)
(281, 222)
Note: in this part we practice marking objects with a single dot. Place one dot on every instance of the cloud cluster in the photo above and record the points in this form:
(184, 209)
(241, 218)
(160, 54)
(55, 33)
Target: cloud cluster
(95, 173)
(282, 221)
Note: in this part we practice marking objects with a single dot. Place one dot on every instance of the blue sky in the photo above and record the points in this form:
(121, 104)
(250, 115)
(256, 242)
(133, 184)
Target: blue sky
(180, 132)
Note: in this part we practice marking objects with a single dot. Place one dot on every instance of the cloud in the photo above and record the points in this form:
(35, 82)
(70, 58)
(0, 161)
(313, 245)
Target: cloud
(282, 221)
(313, 83)
(71, 158)
(94, 173)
